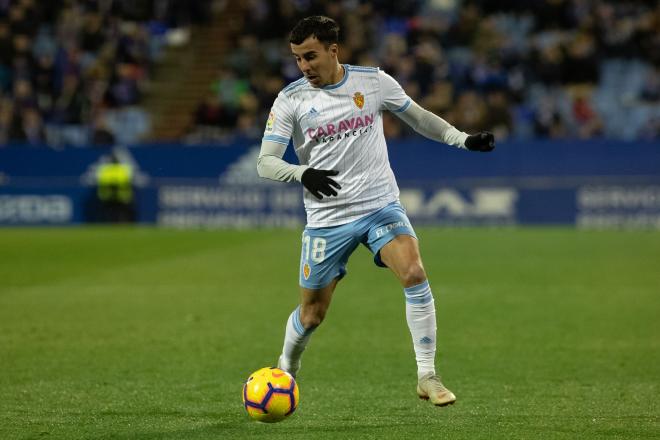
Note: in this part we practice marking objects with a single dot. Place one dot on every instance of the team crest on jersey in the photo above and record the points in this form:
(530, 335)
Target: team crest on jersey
(306, 271)
(270, 122)
(358, 99)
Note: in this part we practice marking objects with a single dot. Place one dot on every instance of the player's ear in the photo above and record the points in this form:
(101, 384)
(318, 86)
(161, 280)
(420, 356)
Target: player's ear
(334, 49)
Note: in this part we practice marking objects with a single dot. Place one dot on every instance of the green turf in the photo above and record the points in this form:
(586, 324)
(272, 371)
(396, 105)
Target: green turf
(149, 334)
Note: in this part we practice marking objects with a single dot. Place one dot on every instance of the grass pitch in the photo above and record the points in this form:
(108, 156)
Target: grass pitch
(148, 334)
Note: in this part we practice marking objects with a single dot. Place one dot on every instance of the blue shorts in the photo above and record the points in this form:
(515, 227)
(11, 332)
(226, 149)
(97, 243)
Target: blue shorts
(325, 251)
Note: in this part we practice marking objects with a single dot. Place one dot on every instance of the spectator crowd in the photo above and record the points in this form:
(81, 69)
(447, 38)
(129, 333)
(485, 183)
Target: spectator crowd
(73, 72)
(571, 69)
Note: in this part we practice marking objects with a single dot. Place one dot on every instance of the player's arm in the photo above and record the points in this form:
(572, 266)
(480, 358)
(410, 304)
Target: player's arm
(434, 127)
(271, 166)
(395, 99)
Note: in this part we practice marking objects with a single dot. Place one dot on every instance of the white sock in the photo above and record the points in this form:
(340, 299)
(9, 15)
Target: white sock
(296, 338)
(420, 314)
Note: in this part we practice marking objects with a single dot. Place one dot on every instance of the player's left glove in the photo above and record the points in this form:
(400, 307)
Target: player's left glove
(483, 141)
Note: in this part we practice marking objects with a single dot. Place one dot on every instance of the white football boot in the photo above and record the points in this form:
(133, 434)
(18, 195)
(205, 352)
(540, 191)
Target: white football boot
(293, 370)
(431, 388)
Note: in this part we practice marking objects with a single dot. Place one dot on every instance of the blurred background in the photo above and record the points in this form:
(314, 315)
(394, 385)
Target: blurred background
(152, 111)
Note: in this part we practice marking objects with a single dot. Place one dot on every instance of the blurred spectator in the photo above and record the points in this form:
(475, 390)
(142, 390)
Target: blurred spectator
(211, 113)
(68, 108)
(23, 19)
(6, 44)
(588, 121)
(650, 92)
(230, 87)
(440, 98)
(101, 134)
(44, 84)
(22, 59)
(23, 95)
(499, 118)
(548, 121)
(125, 89)
(392, 126)
(549, 64)
(581, 64)
(8, 121)
(32, 127)
(93, 36)
(470, 112)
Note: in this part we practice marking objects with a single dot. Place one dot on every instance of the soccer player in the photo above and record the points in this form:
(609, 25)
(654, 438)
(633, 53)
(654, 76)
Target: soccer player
(334, 116)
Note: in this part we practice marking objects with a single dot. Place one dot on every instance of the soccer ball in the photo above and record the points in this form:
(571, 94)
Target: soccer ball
(270, 395)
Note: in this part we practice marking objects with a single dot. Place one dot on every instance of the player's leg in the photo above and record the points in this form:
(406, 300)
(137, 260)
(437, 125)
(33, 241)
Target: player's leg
(325, 252)
(314, 304)
(302, 322)
(393, 241)
(402, 256)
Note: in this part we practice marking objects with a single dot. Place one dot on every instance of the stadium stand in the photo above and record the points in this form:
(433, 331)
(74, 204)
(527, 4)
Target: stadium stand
(74, 72)
(523, 69)
(84, 72)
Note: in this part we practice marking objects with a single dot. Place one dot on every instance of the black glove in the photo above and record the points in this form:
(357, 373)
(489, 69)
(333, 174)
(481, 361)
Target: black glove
(483, 141)
(318, 182)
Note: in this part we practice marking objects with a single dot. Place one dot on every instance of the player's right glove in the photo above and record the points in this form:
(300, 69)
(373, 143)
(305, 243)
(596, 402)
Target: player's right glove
(483, 141)
(318, 182)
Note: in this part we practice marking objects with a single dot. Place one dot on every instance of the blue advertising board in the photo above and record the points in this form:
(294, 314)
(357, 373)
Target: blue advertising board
(586, 184)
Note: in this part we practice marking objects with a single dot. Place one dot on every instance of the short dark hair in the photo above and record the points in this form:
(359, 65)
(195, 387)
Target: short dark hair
(325, 29)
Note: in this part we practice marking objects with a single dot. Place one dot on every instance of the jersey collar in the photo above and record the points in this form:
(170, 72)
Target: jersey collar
(340, 83)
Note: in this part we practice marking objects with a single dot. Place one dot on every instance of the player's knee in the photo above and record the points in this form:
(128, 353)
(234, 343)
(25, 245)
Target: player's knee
(311, 317)
(413, 275)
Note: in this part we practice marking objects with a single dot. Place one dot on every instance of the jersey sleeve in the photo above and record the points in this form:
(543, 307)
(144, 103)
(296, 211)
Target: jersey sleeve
(393, 97)
(279, 127)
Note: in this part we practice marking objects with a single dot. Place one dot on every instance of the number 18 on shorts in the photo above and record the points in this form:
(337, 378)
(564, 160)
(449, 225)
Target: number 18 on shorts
(323, 257)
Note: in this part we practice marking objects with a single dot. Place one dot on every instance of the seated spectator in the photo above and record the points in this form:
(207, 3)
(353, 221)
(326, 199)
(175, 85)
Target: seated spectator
(8, 121)
(124, 88)
(23, 95)
(44, 84)
(589, 123)
(68, 108)
(101, 134)
(209, 112)
(470, 112)
(650, 92)
(499, 119)
(440, 98)
(32, 128)
(93, 36)
(22, 60)
(581, 65)
(6, 44)
(548, 122)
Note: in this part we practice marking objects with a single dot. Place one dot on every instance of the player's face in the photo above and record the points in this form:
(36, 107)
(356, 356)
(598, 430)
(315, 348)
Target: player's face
(316, 61)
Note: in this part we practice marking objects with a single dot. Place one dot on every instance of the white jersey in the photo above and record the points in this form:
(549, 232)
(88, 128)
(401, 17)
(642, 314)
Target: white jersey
(340, 127)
